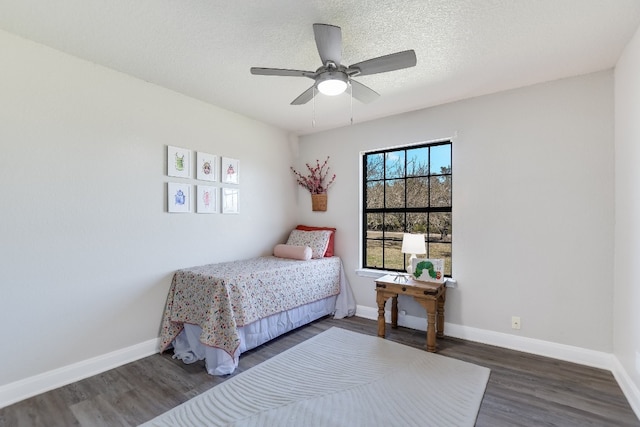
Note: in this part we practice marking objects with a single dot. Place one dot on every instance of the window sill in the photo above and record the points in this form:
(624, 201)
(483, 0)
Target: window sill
(366, 272)
(450, 282)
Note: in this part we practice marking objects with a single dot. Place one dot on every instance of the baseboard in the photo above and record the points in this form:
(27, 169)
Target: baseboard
(630, 390)
(596, 359)
(29, 387)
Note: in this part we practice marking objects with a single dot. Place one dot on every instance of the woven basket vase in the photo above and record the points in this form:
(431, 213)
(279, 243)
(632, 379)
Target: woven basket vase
(319, 202)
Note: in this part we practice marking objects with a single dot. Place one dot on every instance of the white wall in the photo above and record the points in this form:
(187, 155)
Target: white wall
(87, 248)
(533, 206)
(626, 337)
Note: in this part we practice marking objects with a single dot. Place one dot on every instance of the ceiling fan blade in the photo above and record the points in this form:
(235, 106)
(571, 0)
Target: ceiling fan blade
(329, 42)
(363, 93)
(282, 72)
(305, 96)
(382, 64)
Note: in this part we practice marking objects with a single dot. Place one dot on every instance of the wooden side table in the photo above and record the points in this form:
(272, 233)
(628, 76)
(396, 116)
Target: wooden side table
(429, 295)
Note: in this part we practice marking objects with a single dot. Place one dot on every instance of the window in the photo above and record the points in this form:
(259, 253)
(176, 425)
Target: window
(406, 189)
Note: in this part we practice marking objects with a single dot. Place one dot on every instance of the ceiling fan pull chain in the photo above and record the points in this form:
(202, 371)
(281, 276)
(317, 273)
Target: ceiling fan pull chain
(313, 116)
(351, 87)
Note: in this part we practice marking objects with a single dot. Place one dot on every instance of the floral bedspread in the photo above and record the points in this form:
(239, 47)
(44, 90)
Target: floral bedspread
(223, 297)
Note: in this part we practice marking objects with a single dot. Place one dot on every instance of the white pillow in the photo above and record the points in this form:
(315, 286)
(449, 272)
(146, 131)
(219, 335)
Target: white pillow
(292, 252)
(316, 240)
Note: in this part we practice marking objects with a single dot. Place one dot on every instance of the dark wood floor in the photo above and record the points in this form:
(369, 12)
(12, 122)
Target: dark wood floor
(523, 389)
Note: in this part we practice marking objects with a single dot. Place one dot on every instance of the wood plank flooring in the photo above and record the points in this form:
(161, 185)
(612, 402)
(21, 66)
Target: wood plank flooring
(523, 389)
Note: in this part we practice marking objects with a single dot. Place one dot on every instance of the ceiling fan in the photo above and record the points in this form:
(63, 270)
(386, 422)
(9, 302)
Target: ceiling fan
(333, 78)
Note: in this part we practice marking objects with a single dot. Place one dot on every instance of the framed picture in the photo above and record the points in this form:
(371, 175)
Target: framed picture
(230, 200)
(178, 162)
(230, 171)
(178, 197)
(206, 167)
(428, 269)
(207, 199)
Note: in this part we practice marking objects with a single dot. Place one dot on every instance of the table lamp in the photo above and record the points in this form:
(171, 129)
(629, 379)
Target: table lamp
(413, 244)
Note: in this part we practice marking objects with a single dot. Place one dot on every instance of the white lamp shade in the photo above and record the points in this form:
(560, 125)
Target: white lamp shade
(413, 244)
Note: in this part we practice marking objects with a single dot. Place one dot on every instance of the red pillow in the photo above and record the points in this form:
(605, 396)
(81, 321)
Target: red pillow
(329, 251)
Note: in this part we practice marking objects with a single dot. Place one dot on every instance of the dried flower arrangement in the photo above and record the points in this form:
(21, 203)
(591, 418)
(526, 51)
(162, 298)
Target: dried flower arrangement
(315, 182)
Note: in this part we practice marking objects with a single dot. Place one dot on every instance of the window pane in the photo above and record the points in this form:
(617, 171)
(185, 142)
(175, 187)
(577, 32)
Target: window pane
(418, 162)
(417, 223)
(374, 254)
(375, 222)
(417, 192)
(394, 226)
(393, 256)
(441, 159)
(375, 194)
(375, 166)
(394, 193)
(441, 250)
(440, 191)
(395, 164)
(440, 227)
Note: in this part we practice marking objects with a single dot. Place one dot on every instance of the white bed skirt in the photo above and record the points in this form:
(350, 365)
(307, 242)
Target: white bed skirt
(188, 348)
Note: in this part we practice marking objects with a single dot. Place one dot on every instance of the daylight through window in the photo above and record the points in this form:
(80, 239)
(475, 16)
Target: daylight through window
(406, 189)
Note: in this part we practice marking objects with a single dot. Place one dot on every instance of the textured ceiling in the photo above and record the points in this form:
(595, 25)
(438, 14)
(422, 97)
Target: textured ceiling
(204, 48)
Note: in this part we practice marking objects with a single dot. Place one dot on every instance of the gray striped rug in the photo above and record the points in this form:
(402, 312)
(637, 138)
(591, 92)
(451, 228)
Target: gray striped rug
(342, 378)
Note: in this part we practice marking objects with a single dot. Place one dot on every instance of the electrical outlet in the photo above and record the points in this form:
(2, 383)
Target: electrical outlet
(515, 322)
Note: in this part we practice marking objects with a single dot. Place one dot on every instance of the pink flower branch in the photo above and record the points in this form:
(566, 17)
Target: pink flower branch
(316, 180)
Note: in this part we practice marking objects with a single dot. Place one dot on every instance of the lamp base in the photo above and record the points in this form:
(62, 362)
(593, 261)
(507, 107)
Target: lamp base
(410, 264)
(401, 278)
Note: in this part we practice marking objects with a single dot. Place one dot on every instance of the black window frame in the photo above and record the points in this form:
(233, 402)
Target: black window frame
(404, 210)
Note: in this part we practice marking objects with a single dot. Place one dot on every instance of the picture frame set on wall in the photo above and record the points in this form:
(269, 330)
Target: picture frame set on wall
(209, 199)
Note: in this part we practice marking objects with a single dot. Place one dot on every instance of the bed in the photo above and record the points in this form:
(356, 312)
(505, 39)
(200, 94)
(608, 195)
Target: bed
(216, 312)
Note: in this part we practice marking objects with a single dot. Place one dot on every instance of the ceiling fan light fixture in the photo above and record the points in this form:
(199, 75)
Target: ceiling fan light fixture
(332, 83)
(332, 77)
